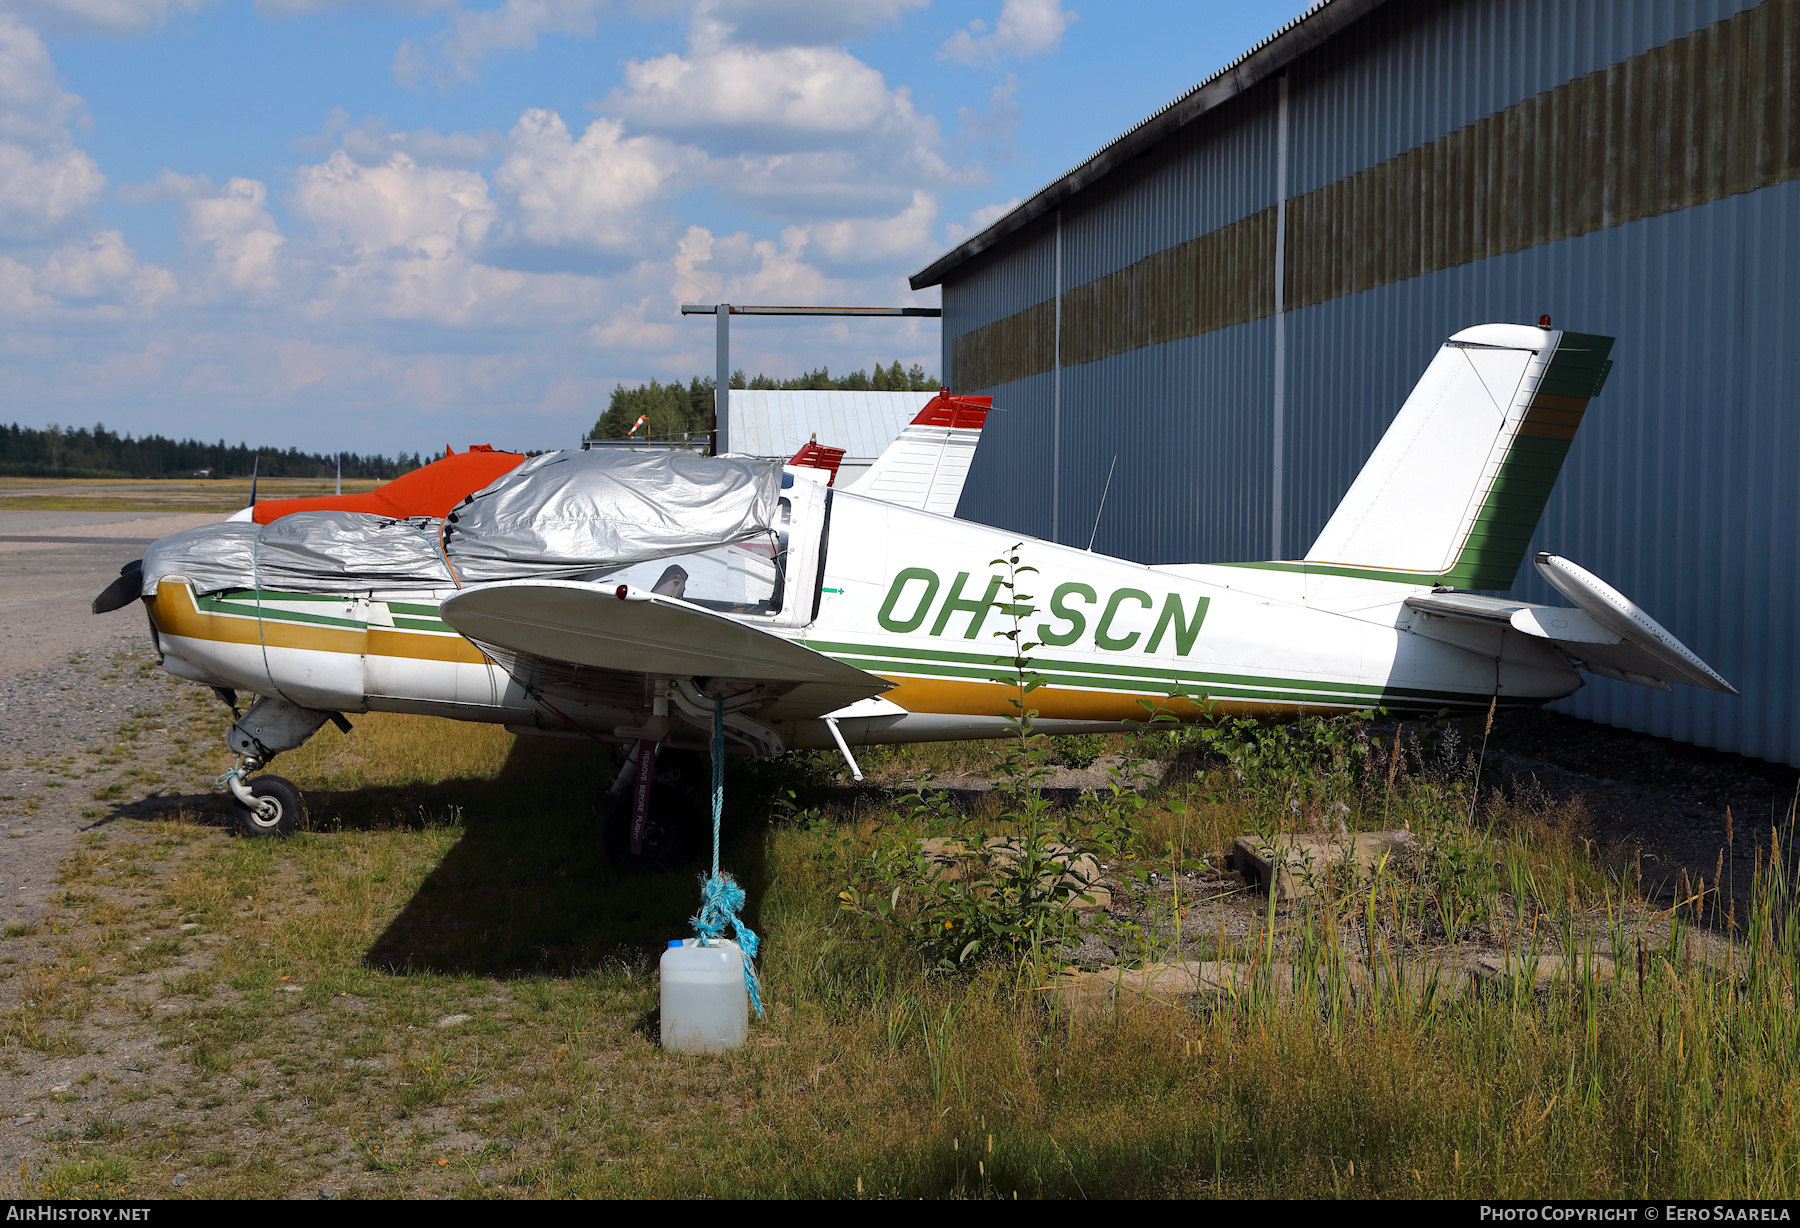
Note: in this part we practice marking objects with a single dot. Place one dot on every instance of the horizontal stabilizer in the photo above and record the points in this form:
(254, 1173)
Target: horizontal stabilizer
(1645, 647)
(925, 467)
(1607, 634)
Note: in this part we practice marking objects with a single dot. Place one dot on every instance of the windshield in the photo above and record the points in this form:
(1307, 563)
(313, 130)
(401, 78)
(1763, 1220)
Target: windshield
(747, 577)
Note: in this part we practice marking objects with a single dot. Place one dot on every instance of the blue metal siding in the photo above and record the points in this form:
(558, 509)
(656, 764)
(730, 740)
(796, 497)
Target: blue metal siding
(1677, 490)
(1412, 71)
(999, 284)
(1210, 175)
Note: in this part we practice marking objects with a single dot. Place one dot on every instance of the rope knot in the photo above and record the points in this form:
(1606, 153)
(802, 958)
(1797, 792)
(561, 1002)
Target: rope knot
(720, 901)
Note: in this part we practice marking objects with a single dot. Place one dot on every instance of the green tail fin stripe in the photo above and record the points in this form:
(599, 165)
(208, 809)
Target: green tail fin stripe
(1497, 541)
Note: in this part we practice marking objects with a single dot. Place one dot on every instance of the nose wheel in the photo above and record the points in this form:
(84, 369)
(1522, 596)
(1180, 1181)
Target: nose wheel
(267, 806)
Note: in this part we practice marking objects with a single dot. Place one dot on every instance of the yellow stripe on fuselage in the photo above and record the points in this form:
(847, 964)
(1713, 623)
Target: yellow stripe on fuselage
(175, 612)
(934, 695)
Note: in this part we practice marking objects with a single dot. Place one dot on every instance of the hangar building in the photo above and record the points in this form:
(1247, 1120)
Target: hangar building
(1234, 298)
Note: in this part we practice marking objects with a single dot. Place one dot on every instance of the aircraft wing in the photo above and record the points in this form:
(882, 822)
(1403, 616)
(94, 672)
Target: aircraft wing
(1606, 633)
(593, 644)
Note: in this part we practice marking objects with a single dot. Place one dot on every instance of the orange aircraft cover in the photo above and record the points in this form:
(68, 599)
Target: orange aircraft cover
(430, 491)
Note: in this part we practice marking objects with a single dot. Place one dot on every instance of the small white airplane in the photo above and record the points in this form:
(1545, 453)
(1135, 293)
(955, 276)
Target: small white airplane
(820, 617)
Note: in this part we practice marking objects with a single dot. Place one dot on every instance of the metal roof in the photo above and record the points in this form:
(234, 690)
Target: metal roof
(775, 423)
(1264, 60)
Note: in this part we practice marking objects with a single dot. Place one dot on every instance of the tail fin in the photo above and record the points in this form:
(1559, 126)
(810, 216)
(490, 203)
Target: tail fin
(1455, 489)
(927, 465)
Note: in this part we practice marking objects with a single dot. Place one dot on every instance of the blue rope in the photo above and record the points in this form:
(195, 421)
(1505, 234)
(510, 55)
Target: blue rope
(718, 796)
(720, 896)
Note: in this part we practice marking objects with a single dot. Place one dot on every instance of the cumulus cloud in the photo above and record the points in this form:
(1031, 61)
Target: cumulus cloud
(806, 23)
(232, 229)
(780, 98)
(809, 131)
(38, 193)
(44, 179)
(34, 109)
(590, 192)
(905, 236)
(106, 16)
(996, 129)
(1024, 28)
(306, 8)
(400, 205)
(979, 220)
(103, 268)
(451, 54)
(516, 244)
(372, 144)
(97, 276)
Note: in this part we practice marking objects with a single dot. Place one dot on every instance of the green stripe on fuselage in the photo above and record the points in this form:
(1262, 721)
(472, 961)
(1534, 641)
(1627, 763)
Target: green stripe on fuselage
(1103, 676)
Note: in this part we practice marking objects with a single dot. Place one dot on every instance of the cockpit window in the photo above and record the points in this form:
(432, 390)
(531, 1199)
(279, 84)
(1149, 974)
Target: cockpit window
(747, 577)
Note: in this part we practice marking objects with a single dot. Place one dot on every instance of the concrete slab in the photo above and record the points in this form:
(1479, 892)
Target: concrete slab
(1292, 866)
(1179, 985)
(1542, 971)
(1194, 984)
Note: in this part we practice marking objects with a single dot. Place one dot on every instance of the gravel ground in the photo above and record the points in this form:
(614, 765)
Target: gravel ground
(1666, 798)
(69, 679)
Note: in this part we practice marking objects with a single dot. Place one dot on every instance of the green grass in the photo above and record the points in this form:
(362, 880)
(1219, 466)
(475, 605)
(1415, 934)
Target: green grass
(453, 870)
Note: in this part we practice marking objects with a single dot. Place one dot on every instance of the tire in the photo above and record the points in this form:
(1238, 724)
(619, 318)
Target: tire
(670, 838)
(289, 807)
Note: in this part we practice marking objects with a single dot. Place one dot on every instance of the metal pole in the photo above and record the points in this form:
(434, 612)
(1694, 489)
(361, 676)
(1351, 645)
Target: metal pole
(722, 380)
(722, 376)
(1056, 398)
(1278, 475)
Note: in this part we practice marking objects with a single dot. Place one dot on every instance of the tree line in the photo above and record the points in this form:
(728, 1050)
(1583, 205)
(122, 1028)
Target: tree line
(669, 410)
(84, 452)
(675, 409)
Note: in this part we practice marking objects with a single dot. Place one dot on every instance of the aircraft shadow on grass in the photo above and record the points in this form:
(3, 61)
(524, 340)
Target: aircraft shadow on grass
(526, 889)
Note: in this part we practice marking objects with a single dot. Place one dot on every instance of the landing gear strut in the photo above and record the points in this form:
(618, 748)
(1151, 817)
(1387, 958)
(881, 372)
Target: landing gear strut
(660, 830)
(268, 805)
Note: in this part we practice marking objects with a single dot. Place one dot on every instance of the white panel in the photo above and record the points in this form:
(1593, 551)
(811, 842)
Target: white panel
(776, 423)
(924, 469)
(1412, 506)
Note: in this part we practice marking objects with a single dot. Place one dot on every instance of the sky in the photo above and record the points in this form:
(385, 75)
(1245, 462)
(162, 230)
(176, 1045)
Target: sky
(389, 226)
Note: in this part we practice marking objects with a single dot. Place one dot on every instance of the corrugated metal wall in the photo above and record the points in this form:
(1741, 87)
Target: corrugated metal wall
(1676, 490)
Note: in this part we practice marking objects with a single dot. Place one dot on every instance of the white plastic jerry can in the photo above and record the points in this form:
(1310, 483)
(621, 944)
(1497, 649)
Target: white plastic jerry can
(705, 1006)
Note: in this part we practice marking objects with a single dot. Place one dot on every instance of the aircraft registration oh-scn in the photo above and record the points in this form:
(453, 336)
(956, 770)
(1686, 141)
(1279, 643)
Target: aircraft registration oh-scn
(649, 600)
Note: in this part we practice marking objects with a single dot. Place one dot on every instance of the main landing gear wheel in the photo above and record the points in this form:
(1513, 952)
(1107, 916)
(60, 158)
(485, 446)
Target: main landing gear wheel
(279, 808)
(673, 830)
